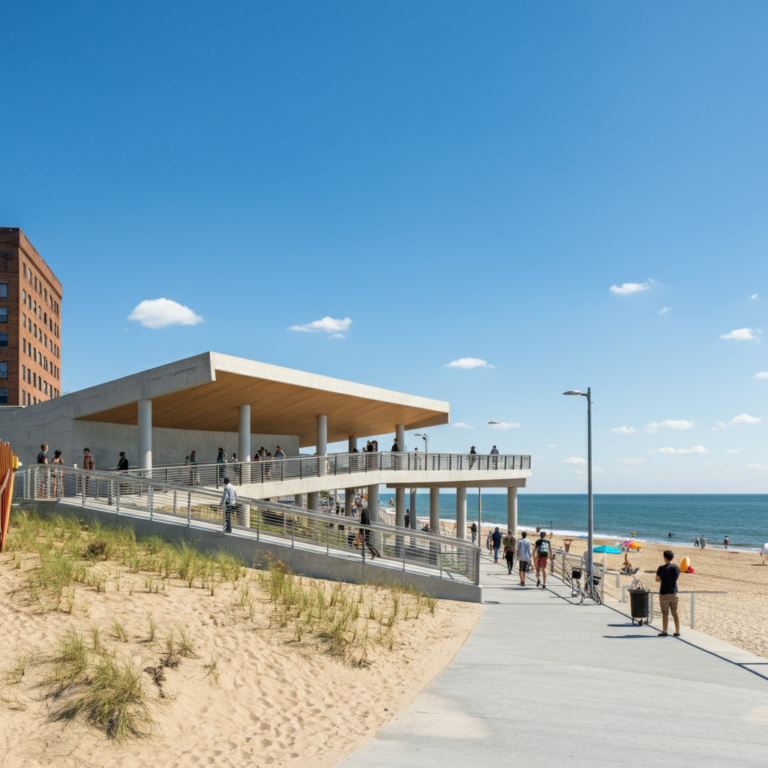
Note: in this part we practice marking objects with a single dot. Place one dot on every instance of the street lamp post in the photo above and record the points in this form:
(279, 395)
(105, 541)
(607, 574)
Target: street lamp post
(590, 523)
(425, 438)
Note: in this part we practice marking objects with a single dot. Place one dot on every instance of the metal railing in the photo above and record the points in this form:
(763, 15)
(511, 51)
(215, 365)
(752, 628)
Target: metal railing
(124, 493)
(334, 464)
(569, 565)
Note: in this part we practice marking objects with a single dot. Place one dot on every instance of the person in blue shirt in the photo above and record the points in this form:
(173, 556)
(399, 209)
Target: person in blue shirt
(496, 539)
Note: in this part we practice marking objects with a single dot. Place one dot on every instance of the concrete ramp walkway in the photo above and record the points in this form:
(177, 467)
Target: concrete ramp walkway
(545, 682)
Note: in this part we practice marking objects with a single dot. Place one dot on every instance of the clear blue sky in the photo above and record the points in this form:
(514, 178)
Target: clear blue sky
(459, 179)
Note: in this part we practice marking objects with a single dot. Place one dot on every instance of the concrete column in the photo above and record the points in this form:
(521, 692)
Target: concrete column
(300, 500)
(512, 510)
(400, 507)
(352, 443)
(461, 513)
(434, 510)
(400, 434)
(373, 503)
(244, 443)
(413, 521)
(314, 501)
(145, 434)
(322, 435)
(349, 498)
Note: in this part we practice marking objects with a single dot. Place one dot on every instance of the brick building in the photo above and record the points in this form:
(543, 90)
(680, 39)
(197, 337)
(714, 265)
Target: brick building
(30, 323)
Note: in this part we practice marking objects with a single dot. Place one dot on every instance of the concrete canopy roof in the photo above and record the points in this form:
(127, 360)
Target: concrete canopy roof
(205, 391)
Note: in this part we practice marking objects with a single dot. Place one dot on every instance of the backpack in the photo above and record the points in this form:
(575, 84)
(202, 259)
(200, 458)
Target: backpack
(543, 548)
(41, 457)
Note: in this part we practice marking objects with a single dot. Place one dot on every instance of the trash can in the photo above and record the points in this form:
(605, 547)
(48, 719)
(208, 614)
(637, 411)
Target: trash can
(640, 605)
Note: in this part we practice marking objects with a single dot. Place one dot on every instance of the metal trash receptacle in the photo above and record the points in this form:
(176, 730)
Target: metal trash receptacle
(640, 605)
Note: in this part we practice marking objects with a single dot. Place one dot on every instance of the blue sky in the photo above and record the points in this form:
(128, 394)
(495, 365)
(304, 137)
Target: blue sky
(458, 179)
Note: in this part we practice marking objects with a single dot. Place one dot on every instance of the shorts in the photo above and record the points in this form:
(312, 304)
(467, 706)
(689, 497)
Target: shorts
(524, 565)
(541, 562)
(668, 603)
(509, 555)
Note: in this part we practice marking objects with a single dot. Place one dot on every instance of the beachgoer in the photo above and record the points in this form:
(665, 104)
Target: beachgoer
(703, 541)
(523, 552)
(726, 542)
(541, 552)
(473, 529)
(667, 575)
(473, 453)
(697, 543)
(494, 451)
(764, 553)
(488, 543)
(633, 534)
(509, 543)
(229, 503)
(670, 535)
(496, 537)
(42, 458)
(122, 464)
(58, 460)
(279, 453)
(365, 519)
(395, 447)
(626, 568)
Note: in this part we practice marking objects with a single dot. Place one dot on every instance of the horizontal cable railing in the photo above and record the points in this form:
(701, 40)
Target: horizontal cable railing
(334, 464)
(125, 493)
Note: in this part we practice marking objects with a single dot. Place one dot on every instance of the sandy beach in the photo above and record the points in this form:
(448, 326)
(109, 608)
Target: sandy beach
(249, 694)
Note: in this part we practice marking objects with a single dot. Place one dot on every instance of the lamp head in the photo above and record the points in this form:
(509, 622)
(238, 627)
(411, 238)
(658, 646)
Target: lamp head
(493, 422)
(572, 392)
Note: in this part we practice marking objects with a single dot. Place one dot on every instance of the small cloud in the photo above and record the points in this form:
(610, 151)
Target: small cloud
(756, 466)
(695, 449)
(665, 310)
(625, 289)
(753, 296)
(630, 461)
(742, 334)
(577, 472)
(551, 445)
(505, 425)
(624, 430)
(326, 325)
(469, 362)
(745, 418)
(462, 425)
(734, 450)
(161, 313)
(574, 460)
(598, 470)
(669, 424)
(762, 375)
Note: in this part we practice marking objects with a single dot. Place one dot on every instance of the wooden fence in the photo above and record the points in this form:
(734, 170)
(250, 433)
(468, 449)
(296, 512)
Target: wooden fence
(8, 466)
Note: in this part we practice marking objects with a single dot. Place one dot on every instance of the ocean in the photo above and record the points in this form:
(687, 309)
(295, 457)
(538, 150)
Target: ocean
(743, 517)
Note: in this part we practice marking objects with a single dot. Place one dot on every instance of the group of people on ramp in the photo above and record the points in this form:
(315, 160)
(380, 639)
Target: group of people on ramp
(520, 550)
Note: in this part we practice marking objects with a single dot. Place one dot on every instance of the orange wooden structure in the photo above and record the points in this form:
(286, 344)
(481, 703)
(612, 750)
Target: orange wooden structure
(8, 466)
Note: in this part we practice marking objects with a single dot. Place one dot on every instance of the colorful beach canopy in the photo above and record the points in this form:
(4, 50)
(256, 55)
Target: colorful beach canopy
(608, 550)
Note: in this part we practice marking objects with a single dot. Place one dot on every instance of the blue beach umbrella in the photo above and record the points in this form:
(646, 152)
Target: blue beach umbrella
(607, 550)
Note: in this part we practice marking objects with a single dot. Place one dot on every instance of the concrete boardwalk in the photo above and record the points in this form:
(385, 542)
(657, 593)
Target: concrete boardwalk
(545, 682)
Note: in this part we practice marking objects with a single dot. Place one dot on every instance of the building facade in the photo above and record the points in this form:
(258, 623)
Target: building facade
(30, 323)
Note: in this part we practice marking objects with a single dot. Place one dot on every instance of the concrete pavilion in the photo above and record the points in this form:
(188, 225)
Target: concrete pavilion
(160, 415)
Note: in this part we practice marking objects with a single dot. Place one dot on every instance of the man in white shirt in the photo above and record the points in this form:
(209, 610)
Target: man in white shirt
(229, 503)
(523, 556)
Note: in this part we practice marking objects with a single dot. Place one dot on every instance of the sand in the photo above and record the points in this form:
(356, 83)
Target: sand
(269, 701)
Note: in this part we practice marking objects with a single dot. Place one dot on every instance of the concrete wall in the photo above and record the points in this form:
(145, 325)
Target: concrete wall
(300, 561)
(26, 429)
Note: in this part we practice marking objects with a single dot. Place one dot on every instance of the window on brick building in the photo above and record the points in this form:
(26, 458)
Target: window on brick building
(3, 339)
(3, 314)
(3, 370)
(3, 290)
(23, 297)
(3, 396)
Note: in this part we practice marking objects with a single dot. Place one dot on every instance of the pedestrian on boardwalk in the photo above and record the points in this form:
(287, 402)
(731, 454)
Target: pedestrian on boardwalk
(488, 541)
(523, 553)
(473, 455)
(495, 452)
(88, 463)
(221, 460)
(279, 453)
(496, 538)
(473, 529)
(58, 460)
(122, 463)
(365, 519)
(509, 550)
(229, 503)
(42, 458)
(667, 575)
(541, 553)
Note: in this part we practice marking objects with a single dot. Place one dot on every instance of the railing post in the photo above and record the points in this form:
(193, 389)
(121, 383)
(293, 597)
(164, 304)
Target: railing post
(693, 608)
(258, 524)
(109, 492)
(189, 508)
(83, 481)
(174, 504)
(117, 498)
(151, 502)
(477, 568)
(59, 484)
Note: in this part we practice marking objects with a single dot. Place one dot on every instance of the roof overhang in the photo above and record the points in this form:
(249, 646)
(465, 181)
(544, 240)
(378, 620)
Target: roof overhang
(204, 393)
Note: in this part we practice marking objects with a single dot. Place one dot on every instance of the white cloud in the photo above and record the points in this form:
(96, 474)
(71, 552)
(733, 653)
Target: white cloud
(756, 466)
(598, 470)
(762, 375)
(753, 296)
(160, 313)
(624, 430)
(505, 425)
(745, 418)
(551, 445)
(742, 334)
(734, 450)
(574, 460)
(665, 310)
(631, 461)
(327, 325)
(469, 362)
(462, 425)
(669, 424)
(625, 289)
(695, 449)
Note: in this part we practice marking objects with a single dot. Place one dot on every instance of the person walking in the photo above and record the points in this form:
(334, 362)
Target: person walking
(523, 552)
(697, 543)
(726, 542)
(496, 538)
(667, 575)
(703, 541)
(541, 551)
(473, 529)
(365, 519)
(509, 543)
(221, 460)
(495, 452)
(88, 463)
(489, 541)
(229, 503)
(42, 458)
(473, 455)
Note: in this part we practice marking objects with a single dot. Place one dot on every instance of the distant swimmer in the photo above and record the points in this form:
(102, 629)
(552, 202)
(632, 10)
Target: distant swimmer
(726, 542)
(670, 535)
(633, 534)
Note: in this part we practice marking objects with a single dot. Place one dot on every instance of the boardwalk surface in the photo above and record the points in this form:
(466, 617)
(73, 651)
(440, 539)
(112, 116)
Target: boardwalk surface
(543, 681)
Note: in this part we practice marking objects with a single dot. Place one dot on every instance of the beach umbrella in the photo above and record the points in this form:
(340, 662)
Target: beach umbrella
(635, 545)
(609, 550)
